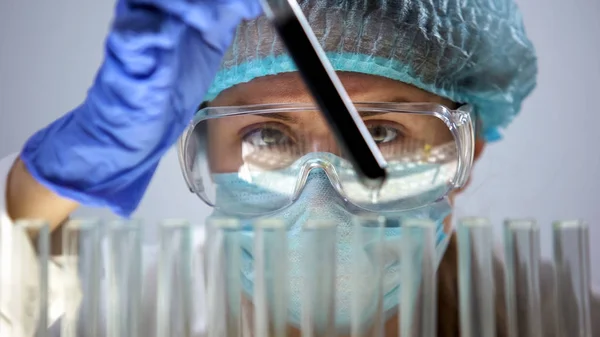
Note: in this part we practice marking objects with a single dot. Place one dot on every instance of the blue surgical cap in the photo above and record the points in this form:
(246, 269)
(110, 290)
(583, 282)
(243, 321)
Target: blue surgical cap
(470, 51)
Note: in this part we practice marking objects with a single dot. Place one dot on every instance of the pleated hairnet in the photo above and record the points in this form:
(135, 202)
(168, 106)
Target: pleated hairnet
(469, 51)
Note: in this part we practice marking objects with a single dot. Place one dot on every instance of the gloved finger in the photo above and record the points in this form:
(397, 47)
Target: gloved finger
(154, 78)
(140, 61)
(144, 30)
(206, 15)
(137, 36)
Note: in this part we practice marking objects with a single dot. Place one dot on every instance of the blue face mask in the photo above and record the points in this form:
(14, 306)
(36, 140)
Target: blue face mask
(320, 201)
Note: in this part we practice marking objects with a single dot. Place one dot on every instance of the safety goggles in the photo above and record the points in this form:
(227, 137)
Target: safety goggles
(267, 152)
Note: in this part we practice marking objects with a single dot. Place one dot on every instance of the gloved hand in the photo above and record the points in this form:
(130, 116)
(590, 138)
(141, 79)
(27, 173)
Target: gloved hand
(161, 57)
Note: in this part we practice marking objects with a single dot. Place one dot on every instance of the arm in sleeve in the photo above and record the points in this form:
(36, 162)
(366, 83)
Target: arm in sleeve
(19, 274)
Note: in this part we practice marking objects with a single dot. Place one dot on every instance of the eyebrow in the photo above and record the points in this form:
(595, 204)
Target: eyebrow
(371, 113)
(293, 120)
(279, 116)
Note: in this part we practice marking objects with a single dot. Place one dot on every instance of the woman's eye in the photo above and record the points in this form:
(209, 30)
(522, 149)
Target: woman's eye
(267, 137)
(383, 133)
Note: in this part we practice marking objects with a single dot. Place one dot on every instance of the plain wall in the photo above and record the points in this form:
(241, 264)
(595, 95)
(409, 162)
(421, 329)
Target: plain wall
(547, 167)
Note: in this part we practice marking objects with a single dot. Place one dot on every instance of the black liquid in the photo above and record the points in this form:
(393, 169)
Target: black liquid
(329, 101)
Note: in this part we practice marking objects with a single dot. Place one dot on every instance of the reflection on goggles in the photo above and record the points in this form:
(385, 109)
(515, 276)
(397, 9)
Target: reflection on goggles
(412, 181)
(277, 156)
(103, 263)
(407, 178)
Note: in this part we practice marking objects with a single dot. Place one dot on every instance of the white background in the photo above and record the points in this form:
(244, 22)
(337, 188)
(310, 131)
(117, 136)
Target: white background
(547, 166)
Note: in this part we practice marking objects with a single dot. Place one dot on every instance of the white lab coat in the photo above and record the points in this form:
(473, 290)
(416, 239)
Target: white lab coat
(12, 324)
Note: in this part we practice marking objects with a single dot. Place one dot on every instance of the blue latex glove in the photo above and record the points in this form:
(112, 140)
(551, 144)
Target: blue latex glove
(161, 57)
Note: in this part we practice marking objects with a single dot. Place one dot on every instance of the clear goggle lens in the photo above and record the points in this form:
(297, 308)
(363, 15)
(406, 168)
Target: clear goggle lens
(269, 153)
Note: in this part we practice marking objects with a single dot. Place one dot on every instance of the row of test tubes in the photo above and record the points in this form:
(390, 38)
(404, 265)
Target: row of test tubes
(109, 292)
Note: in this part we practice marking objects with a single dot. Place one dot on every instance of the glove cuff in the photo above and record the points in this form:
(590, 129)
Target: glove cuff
(122, 200)
(67, 159)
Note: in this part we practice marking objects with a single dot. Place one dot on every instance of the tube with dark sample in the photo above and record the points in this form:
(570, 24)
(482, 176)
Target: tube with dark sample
(271, 278)
(327, 90)
(522, 255)
(419, 289)
(572, 271)
(476, 278)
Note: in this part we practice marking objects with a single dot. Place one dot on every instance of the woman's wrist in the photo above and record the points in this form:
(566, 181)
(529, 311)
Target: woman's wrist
(28, 199)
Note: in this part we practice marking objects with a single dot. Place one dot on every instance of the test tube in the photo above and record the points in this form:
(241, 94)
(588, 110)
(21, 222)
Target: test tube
(572, 268)
(224, 289)
(174, 307)
(33, 299)
(125, 279)
(271, 278)
(475, 278)
(319, 265)
(419, 289)
(522, 254)
(83, 270)
(367, 313)
(6, 258)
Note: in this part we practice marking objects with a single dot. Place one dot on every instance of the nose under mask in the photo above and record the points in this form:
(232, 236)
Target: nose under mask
(320, 201)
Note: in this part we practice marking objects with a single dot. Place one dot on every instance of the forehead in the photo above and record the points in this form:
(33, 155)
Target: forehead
(289, 88)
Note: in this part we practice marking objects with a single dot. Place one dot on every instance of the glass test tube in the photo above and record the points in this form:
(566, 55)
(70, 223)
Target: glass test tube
(33, 302)
(271, 278)
(125, 279)
(522, 254)
(174, 307)
(368, 318)
(419, 289)
(83, 270)
(6, 258)
(319, 265)
(572, 268)
(224, 289)
(476, 278)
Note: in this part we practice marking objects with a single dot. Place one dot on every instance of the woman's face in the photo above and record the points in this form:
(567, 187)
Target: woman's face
(301, 133)
(227, 137)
